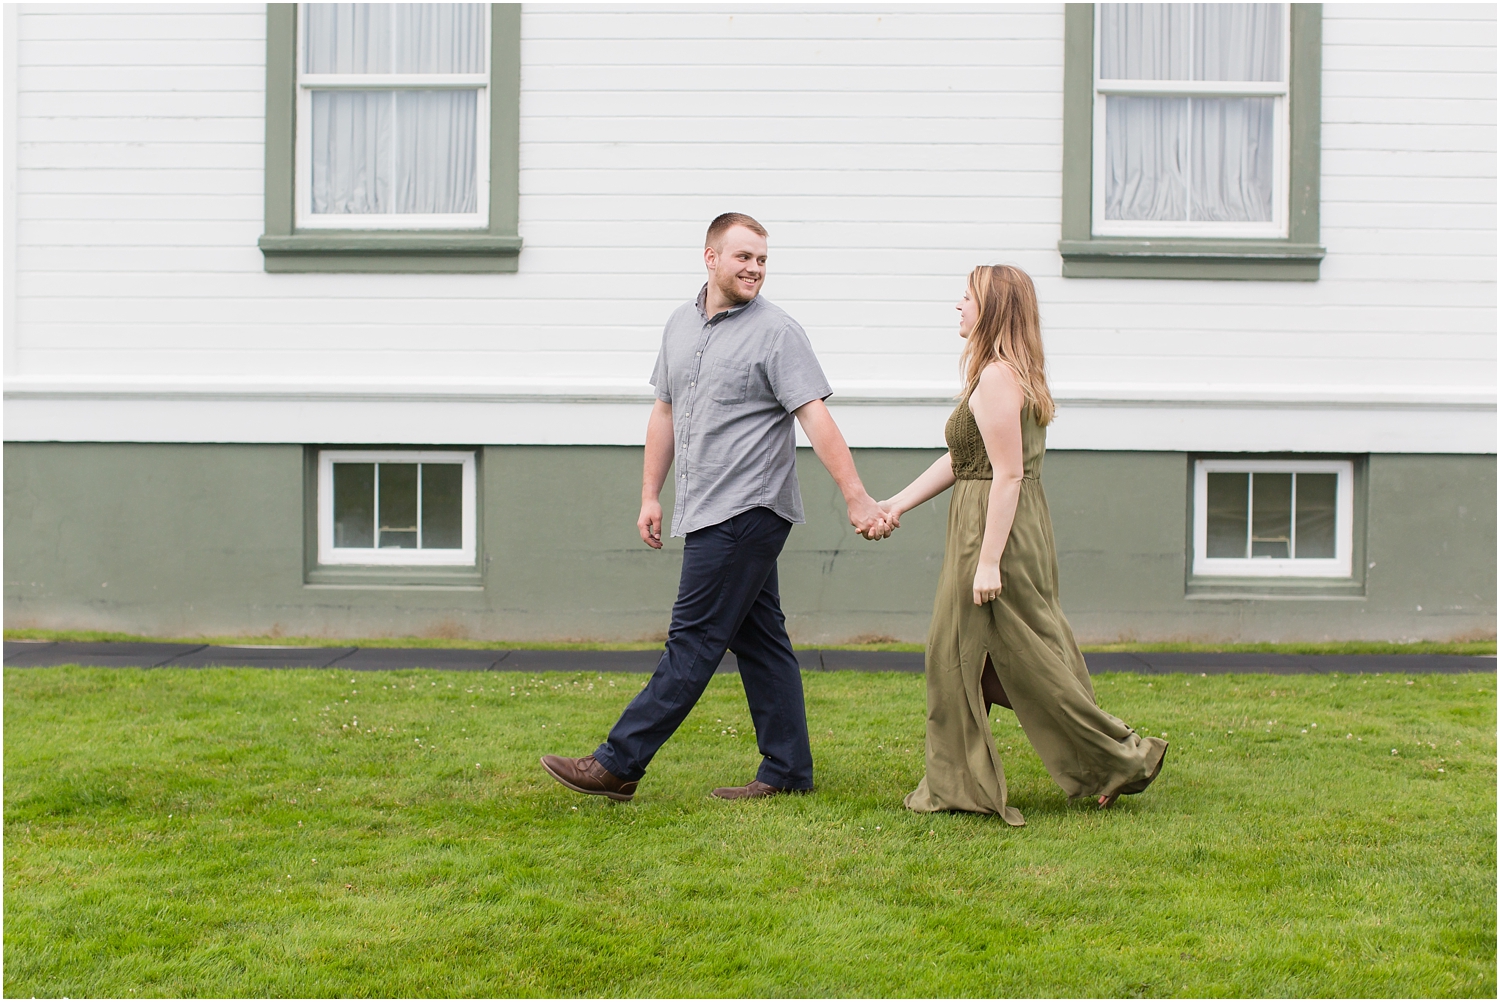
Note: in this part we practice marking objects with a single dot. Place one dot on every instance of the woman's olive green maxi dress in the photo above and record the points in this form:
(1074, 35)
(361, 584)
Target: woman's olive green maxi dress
(1087, 751)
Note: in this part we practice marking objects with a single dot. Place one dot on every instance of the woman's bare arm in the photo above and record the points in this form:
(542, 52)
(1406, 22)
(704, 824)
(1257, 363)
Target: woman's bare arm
(937, 478)
(996, 404)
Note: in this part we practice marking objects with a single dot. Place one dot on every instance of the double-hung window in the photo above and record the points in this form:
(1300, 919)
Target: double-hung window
(390, 100)
(1273, 518)
(392, 137)
(1187, 129)
(1190, 119)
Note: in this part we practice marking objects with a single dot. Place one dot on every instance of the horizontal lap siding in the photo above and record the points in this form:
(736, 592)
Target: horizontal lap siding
(888, 149)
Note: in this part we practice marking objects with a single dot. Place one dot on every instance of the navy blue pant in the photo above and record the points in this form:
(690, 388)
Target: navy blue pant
(727, 600)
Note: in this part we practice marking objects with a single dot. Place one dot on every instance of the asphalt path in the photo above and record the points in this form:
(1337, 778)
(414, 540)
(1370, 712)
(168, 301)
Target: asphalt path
(43, 654)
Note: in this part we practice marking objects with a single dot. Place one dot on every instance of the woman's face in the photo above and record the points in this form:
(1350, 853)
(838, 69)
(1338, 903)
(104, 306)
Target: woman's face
(968, 313)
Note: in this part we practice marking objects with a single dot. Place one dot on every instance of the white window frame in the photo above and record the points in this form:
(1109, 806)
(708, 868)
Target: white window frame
(1340, 566)
(1277, 228)
(309, 82)
(368, 556)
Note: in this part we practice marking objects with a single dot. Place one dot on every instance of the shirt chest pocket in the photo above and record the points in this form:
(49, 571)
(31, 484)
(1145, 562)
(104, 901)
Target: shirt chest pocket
(728, 380)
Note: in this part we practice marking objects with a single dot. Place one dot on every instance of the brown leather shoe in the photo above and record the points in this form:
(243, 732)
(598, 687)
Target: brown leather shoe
(586, 775)
(755, 789)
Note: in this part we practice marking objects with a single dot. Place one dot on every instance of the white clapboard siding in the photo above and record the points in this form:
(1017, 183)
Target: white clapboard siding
(889, 149)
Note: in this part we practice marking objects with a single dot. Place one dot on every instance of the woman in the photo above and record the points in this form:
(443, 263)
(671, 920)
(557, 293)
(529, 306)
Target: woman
(998, 634)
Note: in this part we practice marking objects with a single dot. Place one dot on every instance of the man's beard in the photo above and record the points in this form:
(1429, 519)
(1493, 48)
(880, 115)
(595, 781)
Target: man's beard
(729, 289)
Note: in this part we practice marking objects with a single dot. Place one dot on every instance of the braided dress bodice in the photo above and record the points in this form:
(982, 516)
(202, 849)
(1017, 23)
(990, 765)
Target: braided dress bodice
(966, 445)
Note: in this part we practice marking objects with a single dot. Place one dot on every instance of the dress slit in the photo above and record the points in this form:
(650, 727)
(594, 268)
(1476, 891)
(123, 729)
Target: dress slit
(989, 685)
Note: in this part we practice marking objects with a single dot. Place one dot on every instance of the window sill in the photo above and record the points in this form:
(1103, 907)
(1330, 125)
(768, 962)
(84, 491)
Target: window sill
(396, 577)
(1242, 588)
(387, 251)
(1245, 260)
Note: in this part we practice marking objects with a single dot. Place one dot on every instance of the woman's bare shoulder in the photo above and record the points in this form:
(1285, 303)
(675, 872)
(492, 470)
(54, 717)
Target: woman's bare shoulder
(999, 387)
(997, 375)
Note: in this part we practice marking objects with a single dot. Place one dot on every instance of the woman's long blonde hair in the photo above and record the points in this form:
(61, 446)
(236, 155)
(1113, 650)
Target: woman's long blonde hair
(1008, 330)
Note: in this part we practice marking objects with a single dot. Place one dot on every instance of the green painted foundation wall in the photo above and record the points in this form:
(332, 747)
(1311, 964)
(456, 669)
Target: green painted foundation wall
(210, 539)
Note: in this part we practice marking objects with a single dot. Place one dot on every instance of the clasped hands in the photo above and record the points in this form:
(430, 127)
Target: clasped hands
(872, 519)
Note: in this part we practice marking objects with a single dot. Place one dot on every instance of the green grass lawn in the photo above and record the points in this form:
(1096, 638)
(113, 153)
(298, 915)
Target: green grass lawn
(246, 833)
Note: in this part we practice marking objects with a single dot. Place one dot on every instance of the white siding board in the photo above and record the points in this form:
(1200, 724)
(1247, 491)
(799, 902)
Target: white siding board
(159, 105)
(889, 150)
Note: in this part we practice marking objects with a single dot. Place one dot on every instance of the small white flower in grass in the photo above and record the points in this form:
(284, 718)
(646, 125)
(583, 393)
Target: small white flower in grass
(1442, 770)
(1394, 752)
(1304, 730)
(575, 808)
(1348, 735)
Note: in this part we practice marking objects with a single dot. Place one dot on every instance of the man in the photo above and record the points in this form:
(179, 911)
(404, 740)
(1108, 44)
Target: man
(732, 372)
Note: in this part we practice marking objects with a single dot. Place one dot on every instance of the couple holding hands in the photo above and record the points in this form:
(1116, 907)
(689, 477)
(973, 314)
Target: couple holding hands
(733, 373)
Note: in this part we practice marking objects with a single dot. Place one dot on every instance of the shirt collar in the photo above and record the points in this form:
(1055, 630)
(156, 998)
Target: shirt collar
(702, 304)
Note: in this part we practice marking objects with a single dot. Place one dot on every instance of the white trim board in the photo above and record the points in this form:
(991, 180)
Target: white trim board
(1461, 425)
(332, 556)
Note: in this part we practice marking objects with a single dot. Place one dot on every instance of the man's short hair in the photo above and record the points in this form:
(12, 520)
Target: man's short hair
(721, 225)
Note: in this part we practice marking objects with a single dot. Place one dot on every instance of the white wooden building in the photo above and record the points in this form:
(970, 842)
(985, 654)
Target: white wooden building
(202, 318)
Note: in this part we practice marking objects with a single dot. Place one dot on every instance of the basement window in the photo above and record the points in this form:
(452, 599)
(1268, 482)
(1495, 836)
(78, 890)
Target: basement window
(1273, 518)
(387, 509)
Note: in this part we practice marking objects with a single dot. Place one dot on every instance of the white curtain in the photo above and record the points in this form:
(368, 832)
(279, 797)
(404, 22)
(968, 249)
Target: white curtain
(1201, 159)
(1144, 41)
(394, 151)
(395, 38)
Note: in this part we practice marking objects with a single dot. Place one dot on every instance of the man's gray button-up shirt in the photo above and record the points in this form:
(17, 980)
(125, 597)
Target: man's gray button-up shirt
(733, 381)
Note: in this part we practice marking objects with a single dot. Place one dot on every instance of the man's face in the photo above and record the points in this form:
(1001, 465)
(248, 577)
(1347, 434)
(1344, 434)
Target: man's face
(737, 268)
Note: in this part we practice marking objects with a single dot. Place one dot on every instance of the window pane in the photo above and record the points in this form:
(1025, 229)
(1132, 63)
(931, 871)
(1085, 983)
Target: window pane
(348, 37)
(1233, 159)
(351, 151)
(1237, 41)
(353, 504)
(398, 506)
(1317, 515)
(1228, 514)
(436, 151)
(395, 151)
(1143, 41)
(1145, 151)
(442, 506)
(395, 38)
(1271, 530)
(439, 37)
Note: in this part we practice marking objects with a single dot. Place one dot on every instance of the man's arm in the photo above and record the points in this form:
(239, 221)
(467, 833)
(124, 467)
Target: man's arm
(660, 441)
(828, 442)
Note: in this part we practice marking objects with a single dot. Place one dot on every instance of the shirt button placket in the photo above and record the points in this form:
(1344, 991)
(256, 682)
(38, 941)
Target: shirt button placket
(692, 394)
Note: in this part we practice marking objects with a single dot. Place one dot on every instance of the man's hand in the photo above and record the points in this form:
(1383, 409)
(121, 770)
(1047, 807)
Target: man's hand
(868, 518)
(986, 583)
(650, 524)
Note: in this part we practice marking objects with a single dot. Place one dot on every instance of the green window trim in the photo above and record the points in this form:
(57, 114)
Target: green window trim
(287, 249)
(1223, 587)
(1294, 258)
(462, 577)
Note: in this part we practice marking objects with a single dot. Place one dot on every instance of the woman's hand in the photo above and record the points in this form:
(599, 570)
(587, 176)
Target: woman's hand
(986, 583)
(892, 513)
